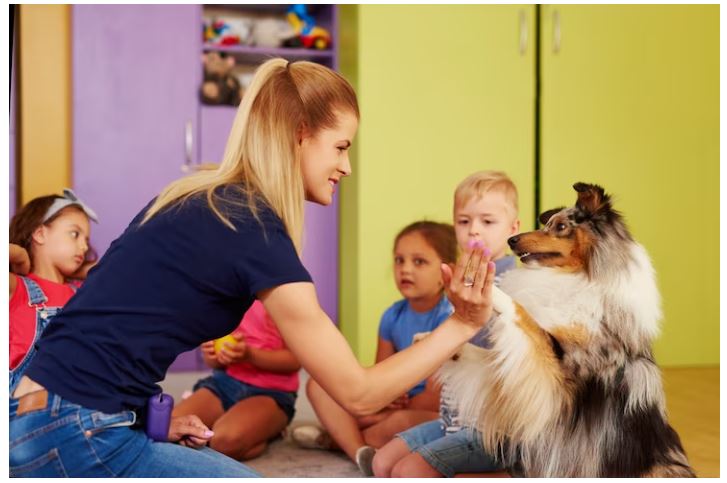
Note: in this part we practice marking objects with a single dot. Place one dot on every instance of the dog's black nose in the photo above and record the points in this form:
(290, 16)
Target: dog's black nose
(512, 241)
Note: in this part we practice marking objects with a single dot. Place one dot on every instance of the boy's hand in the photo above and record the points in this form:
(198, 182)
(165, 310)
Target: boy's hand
(189, 430)
(469, 288)
(19, 260)
(233, 353)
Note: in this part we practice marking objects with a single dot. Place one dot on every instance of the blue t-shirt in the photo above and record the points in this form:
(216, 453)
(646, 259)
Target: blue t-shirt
(161, 289)
(400, 322)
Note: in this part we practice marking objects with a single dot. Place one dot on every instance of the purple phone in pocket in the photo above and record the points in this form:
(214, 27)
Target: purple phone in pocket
(158, 416)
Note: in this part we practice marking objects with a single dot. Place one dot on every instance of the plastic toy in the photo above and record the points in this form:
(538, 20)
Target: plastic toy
(307, 33)
(219, 85)
(219, 343)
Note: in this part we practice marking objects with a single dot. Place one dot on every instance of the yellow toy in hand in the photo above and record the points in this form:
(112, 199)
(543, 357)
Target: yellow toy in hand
(220, 343)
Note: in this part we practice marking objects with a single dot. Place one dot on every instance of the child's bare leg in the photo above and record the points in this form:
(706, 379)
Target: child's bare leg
(342, 426)
(240, 431)
(255, 452)
(386, 457)
(381, 433)
(414, 466)
(203, 403)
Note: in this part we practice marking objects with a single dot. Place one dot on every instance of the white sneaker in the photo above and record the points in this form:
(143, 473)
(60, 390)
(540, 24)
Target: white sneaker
(312, 437)
(364, 460)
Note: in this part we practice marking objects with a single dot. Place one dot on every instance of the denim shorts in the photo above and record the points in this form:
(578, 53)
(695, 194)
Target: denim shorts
(65, 439)
(230, 391)
(460, 452)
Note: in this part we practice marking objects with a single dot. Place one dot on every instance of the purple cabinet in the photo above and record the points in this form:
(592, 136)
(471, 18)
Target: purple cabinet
(137, 121)
(135, 79)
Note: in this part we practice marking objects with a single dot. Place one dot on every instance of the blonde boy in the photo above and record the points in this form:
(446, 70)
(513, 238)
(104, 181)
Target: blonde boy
(486, 211)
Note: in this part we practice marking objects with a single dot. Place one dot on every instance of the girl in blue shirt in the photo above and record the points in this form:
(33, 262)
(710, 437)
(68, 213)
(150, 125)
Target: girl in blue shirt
(419, 251)
(186, 270)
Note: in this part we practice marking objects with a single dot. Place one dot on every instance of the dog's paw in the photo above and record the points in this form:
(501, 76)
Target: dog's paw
(502, 303)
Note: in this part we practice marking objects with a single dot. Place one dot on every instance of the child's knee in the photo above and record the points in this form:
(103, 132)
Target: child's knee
(229, 443)
(382, 463)
(312, 389)
(413, 466)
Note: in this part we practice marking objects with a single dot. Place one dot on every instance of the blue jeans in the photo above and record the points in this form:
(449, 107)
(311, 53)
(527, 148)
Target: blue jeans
(230, 391)
(68, 440)
(460, 452)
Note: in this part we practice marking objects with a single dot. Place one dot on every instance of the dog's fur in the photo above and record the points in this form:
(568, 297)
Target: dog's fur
(569, 387)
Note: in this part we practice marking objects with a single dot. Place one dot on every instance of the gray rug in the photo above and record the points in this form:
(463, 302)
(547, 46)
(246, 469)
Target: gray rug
(284, 459)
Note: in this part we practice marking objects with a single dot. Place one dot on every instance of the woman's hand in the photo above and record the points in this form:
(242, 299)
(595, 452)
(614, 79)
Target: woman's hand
(469, 288)
(189, 430)
(233, 353)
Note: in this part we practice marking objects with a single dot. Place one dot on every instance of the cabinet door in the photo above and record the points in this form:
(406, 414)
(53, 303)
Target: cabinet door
(445, 90)
(136, 72)
(630, 100)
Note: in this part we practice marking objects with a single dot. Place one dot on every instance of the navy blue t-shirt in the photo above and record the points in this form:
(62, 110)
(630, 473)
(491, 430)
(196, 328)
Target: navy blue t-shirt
(161, 289)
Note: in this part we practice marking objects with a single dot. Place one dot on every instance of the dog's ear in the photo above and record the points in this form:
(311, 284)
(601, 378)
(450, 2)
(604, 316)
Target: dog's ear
(591, 198)
(546, 215)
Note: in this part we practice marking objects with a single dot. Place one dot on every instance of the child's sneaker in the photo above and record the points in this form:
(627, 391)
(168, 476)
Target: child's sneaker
(364, 460)
(312, 437)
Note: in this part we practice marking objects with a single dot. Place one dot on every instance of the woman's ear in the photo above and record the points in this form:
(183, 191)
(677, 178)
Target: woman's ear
(302, 133)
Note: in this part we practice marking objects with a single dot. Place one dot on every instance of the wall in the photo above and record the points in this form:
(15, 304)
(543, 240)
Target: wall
(45, 100)
(444, 92)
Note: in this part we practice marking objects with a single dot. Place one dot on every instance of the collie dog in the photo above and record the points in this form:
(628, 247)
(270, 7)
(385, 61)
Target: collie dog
(569, 386)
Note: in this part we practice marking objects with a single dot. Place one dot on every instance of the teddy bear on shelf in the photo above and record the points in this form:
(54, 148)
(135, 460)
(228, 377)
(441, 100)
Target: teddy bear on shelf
(219, 85)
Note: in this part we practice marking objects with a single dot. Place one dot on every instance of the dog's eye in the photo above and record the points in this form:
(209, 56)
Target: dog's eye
(560, 227)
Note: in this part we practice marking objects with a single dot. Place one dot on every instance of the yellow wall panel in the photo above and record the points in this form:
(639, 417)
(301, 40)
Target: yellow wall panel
(631, 101)
(444, 92)
(44, 100)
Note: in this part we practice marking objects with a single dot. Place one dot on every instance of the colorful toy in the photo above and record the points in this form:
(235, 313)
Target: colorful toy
(230, 31)
(307, 33)
(219, 85)
(219, 343)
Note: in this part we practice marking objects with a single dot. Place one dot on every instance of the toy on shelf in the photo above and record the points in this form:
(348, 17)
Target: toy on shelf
(228, 31)
(271, 32)
(219, 85)
(307, 33)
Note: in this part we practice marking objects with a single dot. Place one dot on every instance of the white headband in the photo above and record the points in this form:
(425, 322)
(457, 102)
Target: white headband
(69, 198)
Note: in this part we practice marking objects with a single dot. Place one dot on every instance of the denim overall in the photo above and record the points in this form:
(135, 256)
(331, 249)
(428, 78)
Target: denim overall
(66, 439)
(43, 316)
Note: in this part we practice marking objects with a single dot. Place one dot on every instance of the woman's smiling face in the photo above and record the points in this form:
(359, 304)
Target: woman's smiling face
(325, 158)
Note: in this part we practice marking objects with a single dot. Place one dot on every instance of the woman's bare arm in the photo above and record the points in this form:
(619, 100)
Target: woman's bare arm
(325, 354)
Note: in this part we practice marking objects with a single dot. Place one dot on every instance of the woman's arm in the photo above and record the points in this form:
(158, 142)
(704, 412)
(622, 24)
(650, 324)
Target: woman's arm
(327, 357)
(19, 263)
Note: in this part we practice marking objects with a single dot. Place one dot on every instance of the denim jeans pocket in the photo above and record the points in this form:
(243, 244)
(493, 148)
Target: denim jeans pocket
(46, 466)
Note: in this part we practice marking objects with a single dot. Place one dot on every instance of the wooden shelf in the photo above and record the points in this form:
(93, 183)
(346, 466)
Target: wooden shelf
(266, 52)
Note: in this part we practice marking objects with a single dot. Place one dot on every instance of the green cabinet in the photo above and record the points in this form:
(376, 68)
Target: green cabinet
(628, 99)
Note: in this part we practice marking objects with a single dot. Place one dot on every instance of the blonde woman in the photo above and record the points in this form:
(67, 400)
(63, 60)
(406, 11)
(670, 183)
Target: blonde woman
(186, 270)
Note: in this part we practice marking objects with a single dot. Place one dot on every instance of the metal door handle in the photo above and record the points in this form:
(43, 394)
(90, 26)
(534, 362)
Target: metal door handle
(188, 146)
(556, 31)
(523, 32)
